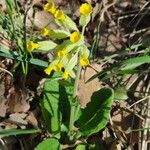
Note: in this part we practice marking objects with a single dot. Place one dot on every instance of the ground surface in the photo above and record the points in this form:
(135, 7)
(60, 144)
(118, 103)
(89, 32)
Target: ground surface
(115, 26)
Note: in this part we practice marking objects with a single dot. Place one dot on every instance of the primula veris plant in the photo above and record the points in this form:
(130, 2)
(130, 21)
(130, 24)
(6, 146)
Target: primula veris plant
(64, 121)
(60, 106)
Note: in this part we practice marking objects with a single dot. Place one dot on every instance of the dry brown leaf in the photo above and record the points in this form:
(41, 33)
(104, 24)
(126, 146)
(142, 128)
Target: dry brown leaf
(17, 101)
(85, 91)
(42, 19)
(18, 118)
(32, 120)
(3, 105)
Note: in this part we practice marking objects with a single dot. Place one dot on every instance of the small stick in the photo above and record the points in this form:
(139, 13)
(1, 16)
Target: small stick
(4, 70)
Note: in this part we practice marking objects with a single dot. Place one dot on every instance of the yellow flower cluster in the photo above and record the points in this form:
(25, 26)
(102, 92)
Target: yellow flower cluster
(57, 13)
(61, 53)
(58, 68)
(59, 64)
(31, 46)
(45, 32)
(75, 37)
(50, 7)
(67, 56)
(84, 61)
(86, 9)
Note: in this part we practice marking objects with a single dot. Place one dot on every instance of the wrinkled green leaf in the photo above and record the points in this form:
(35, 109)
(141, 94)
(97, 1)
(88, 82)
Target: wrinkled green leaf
(46, 46)
(49, 144)
(56, 103)
(66, 92)
(95, 116)
(50, 105)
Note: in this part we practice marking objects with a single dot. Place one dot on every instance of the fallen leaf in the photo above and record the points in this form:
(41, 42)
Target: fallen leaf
(85, 90)
(18, 118)
(32, 120)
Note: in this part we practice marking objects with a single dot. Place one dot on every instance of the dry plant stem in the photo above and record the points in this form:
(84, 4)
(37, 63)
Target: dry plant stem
(145, 98)
(144, 143)
(6, 71)
(73, 107)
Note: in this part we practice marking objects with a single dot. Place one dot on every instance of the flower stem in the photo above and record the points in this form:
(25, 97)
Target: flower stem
(73, 106)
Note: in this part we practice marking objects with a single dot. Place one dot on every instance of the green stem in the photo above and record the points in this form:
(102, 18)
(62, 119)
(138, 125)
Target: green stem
(73, 107)
(76, 81)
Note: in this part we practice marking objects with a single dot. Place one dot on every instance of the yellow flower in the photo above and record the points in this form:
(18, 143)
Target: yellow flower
(50, 7)
(48, 70)
(32, 46)
(58, 67)
(75, 37)
(61, 53)
(84, 61)
(86, 9)
(65, 75)
(45, 32)
(59, 14)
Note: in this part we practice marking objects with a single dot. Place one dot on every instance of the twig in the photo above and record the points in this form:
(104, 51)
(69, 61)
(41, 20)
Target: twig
(145, 98)
(4, 70)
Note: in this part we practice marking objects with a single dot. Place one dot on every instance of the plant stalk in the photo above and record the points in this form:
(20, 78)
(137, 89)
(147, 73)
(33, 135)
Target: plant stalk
(73, 107)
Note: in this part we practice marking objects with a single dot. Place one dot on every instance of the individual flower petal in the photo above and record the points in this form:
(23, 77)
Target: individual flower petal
(59, 14)
(65, 75)
(84, 61)
(50, 7)
(75, 37)
(32, 46)
(86, 9)
(58, 67)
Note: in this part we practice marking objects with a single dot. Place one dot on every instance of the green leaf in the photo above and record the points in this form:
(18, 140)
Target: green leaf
(84, 20)
(59, 34)
(49, 144)
(133, 47)
(135, 62)
(65, 95)
(81, 147)
(94, 117)
(56, 104)
(69, 23)
(38, 62)
(19, 131)
(84, 51)
(46, 46)
(50, 105)
(71, 64)
(7, 51)
(63, 45)
(120, 93)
